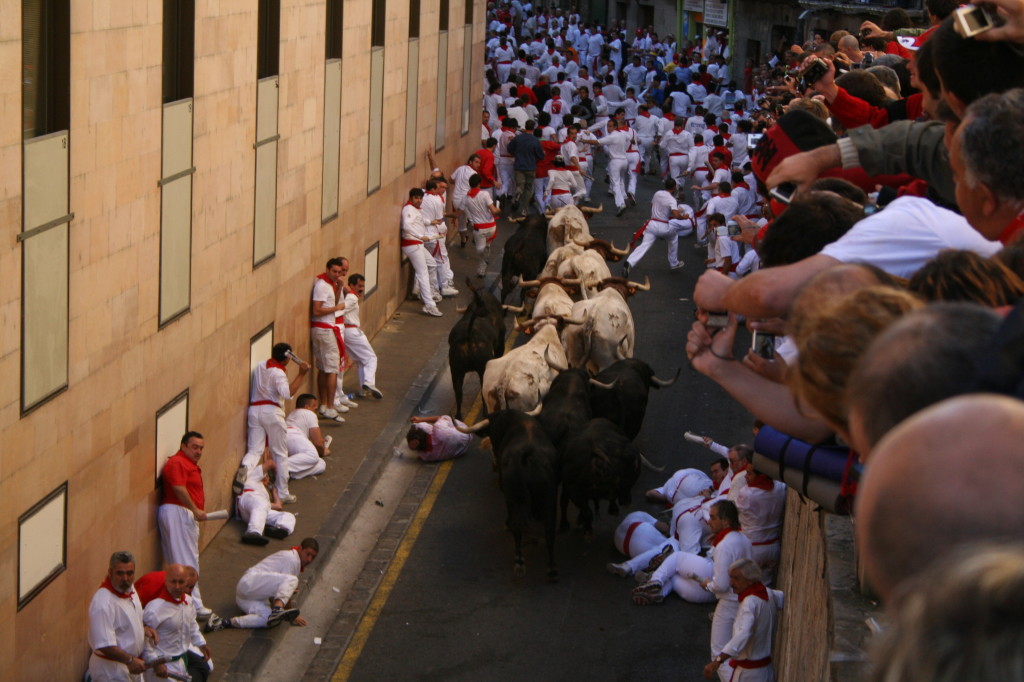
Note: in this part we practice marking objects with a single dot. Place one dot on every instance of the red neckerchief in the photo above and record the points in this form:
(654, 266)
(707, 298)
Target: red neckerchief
(473, 192)
(678, 128)
(298, 550)
(741, 184)
(713, 128)
(1013, 229)
(110, 586)
(720, 535)
(166, 596)
(271, 363)
(644, 114)
(760, 481)
(698, 144)
(324, 277)
(669, 115)
(755, 590)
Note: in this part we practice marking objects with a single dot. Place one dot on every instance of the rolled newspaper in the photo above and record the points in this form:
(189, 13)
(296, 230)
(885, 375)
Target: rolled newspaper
(295, 357)
(327, 441)
(693, 437)
(217, 515)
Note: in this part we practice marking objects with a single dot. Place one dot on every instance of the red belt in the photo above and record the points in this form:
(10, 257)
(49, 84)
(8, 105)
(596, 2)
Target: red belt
(351, 326)
(410, 242)
(484, 226)
(337, 336)
(629, 534)
(248, 490)
(751, 664)
(765, 542)
(265, 402)
(504, 62)
(702, 168)
(559, 191)
(678, 154)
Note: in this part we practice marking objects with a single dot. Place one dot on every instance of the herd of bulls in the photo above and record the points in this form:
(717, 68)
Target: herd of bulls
(562, 410)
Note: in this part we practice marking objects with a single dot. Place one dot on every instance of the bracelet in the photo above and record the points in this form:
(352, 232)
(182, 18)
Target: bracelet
(721, 357)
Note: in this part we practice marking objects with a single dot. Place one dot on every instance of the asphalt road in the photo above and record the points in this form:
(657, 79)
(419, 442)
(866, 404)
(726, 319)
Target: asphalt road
(458, 612)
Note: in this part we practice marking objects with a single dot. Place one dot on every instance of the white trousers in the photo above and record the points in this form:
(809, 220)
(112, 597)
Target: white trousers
(102, 670)
(255, 510)
(482, 241)
(677, 166)
(179, 540)
(683, 228)
(303, 459)
(616, 174)
(539, 187)
(633, 168)
(426, 272)
(671, 574)
(559, 200)
(444, 276)
(721, 631)
(360, 349)
(506, 177)
(253, 595)
(657, 230)
(267, 427)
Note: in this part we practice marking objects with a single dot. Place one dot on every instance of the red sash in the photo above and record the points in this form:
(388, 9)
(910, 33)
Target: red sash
(410, 242)
(345, 363)
(559, 191)
(629, 535)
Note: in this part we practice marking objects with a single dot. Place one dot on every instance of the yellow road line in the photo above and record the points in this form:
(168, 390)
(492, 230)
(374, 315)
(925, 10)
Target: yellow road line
(387, 584)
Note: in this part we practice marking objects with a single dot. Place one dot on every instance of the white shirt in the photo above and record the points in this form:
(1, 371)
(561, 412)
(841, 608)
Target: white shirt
(677, 142)
(733, 547)
(271, 383)
(477, 209)
(616, 144)
(646, 126)
(175, 626)
(726, 205)
(697, 92)
(746, 202)
(752, 631)
(301, 421)
(351, 311)
(114, 621)
(761, 511)
(412, 224)
(561, 179)
(662, 205)
(460, 184)
(695, 125)
(324, 292)
(908, 233)
(286, 561)
(446, 441)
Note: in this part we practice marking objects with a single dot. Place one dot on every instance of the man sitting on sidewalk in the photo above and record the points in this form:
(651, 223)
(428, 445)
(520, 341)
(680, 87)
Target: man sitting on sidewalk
(266, 589)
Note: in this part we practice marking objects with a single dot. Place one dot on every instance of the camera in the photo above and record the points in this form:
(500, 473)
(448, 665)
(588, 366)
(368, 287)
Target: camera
(753, 139)
(970, 20)
(730, 229)
(717, 319)
(783, 193)
(763, 345)
(813, 72)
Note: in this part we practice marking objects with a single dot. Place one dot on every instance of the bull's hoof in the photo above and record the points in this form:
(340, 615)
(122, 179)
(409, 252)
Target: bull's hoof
(552, 575)
(520, 569)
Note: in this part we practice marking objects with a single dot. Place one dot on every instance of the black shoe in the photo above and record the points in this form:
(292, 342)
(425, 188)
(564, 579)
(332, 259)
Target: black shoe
(254, 539)
(279, 615)
(625, 269)
(621, 210)
(275, 532)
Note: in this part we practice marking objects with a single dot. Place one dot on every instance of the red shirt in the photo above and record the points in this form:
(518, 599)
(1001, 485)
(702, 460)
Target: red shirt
(486, 168)
(551, 150)
(149, 586)
(180, 470)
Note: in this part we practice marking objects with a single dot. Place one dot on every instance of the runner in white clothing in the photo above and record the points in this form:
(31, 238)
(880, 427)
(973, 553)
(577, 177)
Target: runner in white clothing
(355, 340)
(562, 187)
(306, 443)
(663, 208)
(413, 236)
(616, 143)
(115, 625)
(436, 227)
(173, 616)
(677, 145)
(261, 509)
(481, 213)
(270, 388)
(265, 590)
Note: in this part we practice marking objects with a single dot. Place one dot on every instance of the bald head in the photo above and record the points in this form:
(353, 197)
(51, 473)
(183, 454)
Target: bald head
(176, 581)
(947, 476)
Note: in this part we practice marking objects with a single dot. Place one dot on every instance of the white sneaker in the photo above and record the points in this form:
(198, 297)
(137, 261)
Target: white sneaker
(449, 291)
(331, 414)
(347, 402)
(373, 390)
(340, 407)
(436, 296)
(432, 311)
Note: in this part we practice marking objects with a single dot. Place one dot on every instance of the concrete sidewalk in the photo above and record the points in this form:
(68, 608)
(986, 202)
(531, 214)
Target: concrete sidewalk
(413, 354)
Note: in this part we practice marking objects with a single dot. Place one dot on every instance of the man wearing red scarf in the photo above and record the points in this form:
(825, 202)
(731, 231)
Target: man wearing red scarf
(434, 439)
(747, 656)
(270, 388)
(760, 503)
(173, 616)
(116, 634)
(328, 346)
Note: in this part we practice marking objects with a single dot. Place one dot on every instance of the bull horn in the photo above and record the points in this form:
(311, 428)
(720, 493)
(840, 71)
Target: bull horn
(516, 220)
(461, 310)
(646, 462)
(474, 428)
(535, 411)
(598, 384)
(619, 252)
(552, 364)
(527, 283)
(511, 308)
(662, 383)
(569, 320)
(549, 214)
(620, 351)
(589, 210)
(570, 282)
(582, 244)
(646, 286)
(525, 326)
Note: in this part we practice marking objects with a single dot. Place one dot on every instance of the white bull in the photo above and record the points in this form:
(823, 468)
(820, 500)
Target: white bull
(520, 379)
(569, 225)
(553, 300)
(607, 333)
(590, 268)
(556, 264)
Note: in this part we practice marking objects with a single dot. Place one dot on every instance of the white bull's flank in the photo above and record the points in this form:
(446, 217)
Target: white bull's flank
(607, 334)
(552, 300)
(520, 379)
(556, 264)
(591, 269)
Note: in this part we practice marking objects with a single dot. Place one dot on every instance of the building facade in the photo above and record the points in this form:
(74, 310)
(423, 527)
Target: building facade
(175, 174)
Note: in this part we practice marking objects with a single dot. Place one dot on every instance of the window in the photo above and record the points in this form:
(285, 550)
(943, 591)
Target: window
(443, 16)
(441, 111)
(268, 39)
(412, 84)
(469, 12)
(46, 66)
(171, 425)
(179, 49)
(371, 262)
(42, 544)
(46, 214)
(467, 72)
(376, 127)
(414, 18)
(332, 113)
(260, 346)
(176, 211)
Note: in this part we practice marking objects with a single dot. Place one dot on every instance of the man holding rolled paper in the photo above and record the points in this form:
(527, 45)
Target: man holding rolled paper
(181, 508)
(270, 388)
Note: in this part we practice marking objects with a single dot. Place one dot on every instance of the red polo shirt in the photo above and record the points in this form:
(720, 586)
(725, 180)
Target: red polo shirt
(180, 470)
